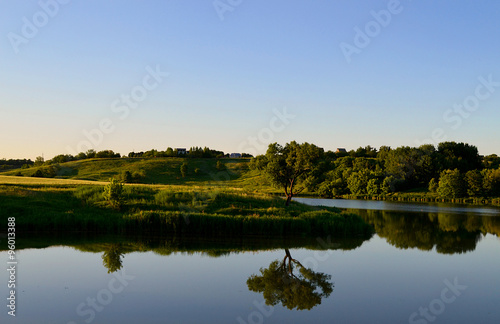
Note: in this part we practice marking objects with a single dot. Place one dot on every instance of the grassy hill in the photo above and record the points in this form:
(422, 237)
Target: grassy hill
(147, 171)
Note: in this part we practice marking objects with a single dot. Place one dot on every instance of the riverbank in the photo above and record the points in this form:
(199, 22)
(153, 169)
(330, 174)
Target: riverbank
(427, 197)
(153, 210)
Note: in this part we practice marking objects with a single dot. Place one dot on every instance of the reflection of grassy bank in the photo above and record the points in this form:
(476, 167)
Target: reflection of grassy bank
(158, 210)
(166, 245)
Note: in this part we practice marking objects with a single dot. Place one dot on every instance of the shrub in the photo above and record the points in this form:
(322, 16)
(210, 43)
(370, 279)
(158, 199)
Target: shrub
(184, 169)
(113, 193)
(127, 177)
(220, 166)
(38, 174)
(433, 185)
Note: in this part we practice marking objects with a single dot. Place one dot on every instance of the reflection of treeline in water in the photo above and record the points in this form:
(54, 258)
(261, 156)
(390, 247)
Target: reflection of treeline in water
(448, 233)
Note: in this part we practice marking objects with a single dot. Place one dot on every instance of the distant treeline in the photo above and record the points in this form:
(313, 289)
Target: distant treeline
(193, 152)
(450, 170)
(14, 164)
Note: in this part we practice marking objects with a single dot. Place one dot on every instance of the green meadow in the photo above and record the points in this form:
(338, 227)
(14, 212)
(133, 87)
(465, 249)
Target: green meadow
(157, 210)
(226, 199)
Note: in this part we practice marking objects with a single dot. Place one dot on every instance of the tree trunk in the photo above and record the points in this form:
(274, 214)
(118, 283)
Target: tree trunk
(288, 200)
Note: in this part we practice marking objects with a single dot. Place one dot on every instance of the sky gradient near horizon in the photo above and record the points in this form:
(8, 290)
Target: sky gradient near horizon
(229, 74)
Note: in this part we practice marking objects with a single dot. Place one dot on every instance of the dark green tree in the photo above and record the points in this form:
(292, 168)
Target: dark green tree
(81, 156)
(90, 154)
(451, 184)
(279, 284)
(373, 187)
(491, 161)
(170, 152)
(39, 161)
(289, 167)
(38, 174)
(474, 182)
(491, 182)
(258, 163)
(127, 177)
(358, 182)
(461, 156)
(389, 184)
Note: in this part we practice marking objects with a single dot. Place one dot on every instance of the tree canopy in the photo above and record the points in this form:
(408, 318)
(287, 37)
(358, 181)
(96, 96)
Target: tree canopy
(279, 284)
(457, 168)
(291, 167)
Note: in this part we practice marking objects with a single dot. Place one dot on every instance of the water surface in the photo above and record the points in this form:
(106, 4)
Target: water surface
(425, 265)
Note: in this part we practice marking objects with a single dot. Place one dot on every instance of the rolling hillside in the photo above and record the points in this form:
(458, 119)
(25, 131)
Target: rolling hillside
(234, 172)
(147, 171)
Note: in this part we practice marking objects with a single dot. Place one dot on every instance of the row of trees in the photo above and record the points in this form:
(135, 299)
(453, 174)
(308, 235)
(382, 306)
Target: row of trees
(14, 163)
(62, 158)
(452, 170)
(473, 183)
(194, 152)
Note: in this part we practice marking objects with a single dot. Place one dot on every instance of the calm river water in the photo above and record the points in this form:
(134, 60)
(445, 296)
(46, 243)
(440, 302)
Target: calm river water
(427, 263)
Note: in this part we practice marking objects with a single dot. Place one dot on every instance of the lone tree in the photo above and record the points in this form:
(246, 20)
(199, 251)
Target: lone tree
(279, 284)
(291, 167)
(113, 193)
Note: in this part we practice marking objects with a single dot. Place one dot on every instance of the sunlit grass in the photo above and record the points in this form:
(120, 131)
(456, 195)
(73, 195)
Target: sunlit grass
(201, 210)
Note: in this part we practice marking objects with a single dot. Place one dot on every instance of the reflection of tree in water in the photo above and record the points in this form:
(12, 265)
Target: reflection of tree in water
(112, 257)
(278, 283)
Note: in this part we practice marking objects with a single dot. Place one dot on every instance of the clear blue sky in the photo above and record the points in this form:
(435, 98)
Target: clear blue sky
(227, 77)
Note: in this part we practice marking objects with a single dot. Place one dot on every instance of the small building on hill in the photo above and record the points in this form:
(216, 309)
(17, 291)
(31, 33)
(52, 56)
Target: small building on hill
(341, 150)
(235, 155)
(181, 151)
